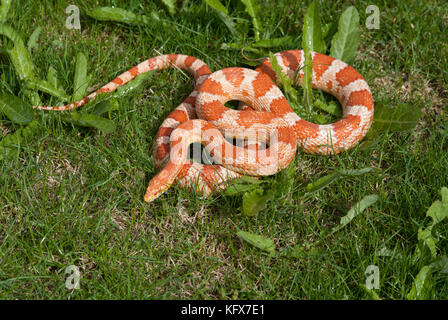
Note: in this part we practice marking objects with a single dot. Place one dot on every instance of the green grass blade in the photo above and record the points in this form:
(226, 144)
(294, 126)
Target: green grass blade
(328, 179)
(228, 22)
(274, 42)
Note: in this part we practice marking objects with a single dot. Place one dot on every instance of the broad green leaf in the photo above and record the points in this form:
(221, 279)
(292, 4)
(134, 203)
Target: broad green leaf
(32, 41)
(345, 41)
(17, 110)
(249, 179)
(32, 96)
(422, 285)
(117, 15)
(90, 120)
(255, 201)
(258, 241)
(425, 235)
(311, 41)
(439, 209)
(10, 145)
(52, 78)
(319, 118)
(133, 85)
(440, 264)
(4, 9)
(331, 107)
(358, 172)
(326, 180)
(18, 54)
(312, 29)
(47, 87)
(444, 194)
(358, 208)
(372, 294)
(322, 182)
(11, 34)
(252, 9)
(104, 106)
(80, 82)
(284, 180)
(402, 117)
(238, 188)
(307, 83)
(242, 184)
(328, 31)
(217, 5)
(171, 6)
(21, 61)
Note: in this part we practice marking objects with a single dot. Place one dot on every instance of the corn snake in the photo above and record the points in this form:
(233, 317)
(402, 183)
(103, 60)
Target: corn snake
(267, 113)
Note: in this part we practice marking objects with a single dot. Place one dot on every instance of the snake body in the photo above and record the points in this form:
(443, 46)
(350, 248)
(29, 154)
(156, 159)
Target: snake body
(202, 117)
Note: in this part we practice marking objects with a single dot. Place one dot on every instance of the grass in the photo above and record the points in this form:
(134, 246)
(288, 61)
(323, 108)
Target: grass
(74, 196)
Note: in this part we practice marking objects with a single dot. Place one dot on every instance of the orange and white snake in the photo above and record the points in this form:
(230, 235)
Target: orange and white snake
(202, 117)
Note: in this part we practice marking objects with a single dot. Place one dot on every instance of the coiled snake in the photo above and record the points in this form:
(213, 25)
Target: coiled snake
(202, 117)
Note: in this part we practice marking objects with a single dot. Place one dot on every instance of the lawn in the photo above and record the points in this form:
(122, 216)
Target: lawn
(73, 195)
